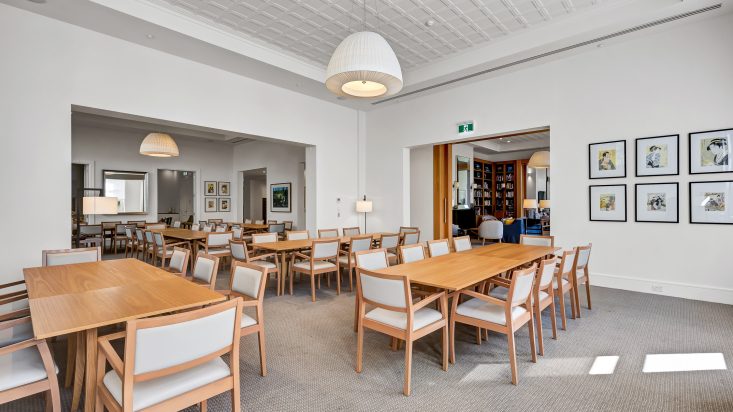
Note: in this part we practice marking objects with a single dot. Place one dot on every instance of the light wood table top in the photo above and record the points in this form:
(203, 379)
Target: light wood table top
(525, 253)
(72, 298)
(182, 234)
(453, 271)
(249, 226)
(291, 245)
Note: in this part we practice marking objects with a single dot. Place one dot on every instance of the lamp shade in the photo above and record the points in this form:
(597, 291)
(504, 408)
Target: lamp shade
(539, 160)
(363, 206)
(364, 65)
(93, 205)
(530, 204)
(159, 145)
(545, 204)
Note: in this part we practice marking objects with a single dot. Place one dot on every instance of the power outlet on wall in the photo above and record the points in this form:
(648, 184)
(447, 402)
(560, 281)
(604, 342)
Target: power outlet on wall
(657, 288)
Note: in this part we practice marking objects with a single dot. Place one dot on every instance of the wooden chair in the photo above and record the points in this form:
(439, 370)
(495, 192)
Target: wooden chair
(408, 229)
(108, 232)
(152, 376)
(178, 261)
(216, 221)
(240, 253)
(372, 259)
(220, 228)
(502, 316)
(195, 227)
(92, 235)
(537, 240)
(205, 270)
(155, 226)
(390, 242)
(438, 247)
(318, 263)
(347, 258)
(297, 235)
(324, 233)
(491, 230)
(121, 236)
(14, 301)
(71, 256)
(137, 223)
(176, 224)
(581, 274)
(259, 222)
(411, 238)
(543, 296)
(288, 224)
(149, 246)
(278, 228)
(395, 315)
(28, 367)
(564, 283)
(462, 243)
(411, 253)
(217, 244)
(247, 221)
(271, 222)
(131, 241)
(237, 232)
(163, 249)
(351, 231)
(207, 228)
(248, 282)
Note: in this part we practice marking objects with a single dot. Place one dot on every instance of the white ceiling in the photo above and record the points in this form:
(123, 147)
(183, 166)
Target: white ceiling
(529, 141)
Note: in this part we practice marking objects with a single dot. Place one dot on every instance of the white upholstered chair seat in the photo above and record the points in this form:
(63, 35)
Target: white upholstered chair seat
(500, 292)
(21, 368)
(316, 265)
(554, 283)
(343, 259)
(264, 264)
(391, 255)
(479, 309)
(168, 250)
(16, 334)
(423, 317)
(154, 391)
(219, 251)
(247, 321)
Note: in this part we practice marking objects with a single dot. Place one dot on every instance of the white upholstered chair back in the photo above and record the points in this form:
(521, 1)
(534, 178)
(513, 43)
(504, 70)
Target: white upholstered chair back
(259, 222)
(218, 239)
(522, 282)
(372, 260)
(461, 243)
(535, 240)
(322, 250)
(412, 254)
(238, 249)
(203, 269)
(411, 238)
(264, 238)
(297, 235)
(568, 259)
(149, 237)
(383, 291)
(71, 256)
(328, 233)
(208, 228)
(276, 227)
(247, 221)
(177, 260)
(139, 235)
(408, 229)
(288, 224)
(177, 224)
(220, 229)
(129, 230)
(351, 231)
(438, 248)
(203, 336)
(237, 232)
(491, 229)
(390, 241)
(546, 272)
(247, 280)
(158, 239)
(583, 256)
(357, 245)
(195, 227)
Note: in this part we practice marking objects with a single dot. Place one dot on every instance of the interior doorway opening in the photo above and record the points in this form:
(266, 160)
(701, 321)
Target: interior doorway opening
(176, 195)
(254, 194)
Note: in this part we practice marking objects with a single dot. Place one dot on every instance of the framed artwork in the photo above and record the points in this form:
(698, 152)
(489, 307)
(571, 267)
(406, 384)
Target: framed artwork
(210, 204)
(607, 159)
(658, 156)
(710, 152)
(280, 197)
(607, 203)
(209, 188)
(711, 202)
(657, 202)
(225, 204)
(223, 188)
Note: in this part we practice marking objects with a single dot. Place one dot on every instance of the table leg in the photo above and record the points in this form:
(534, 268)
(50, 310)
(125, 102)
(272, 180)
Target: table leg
(283, 272)
(78, 370)
(90, 381)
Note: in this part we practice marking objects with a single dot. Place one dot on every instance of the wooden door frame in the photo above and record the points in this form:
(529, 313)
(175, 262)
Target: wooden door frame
(443, 191)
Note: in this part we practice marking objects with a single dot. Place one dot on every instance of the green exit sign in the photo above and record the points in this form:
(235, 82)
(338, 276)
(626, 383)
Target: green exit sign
(465, 127)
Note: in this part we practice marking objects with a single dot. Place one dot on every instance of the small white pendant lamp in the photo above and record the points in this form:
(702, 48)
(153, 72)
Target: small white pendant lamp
(159, 145)
(539, 160)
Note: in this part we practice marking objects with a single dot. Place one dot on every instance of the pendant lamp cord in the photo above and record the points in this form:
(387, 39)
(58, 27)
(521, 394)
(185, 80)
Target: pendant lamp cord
(365, 26)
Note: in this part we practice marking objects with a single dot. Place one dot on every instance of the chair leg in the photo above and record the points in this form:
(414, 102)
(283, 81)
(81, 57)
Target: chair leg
(553, 319)
(452, 341)
(359, 345)
(356, 313)
(478, 335)
(576, 296)
(70, 359)
(573, 309)
(263, 352)
(512, 357)
(313, 287)
(538, 318)
(587, 291)
(338, 282)
(202, 406)
(531, 339)
(445, 347)
(351, 282)
(563, 317)
(408, 367)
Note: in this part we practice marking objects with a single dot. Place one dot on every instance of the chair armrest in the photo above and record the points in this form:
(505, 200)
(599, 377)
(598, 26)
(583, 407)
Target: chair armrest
(109, 353)
(19, 345)
(485, 298)
(425, 301)
(11, 284)
(264, 256)
(20, 313)
(500, 282)
(302, 256)
(176, 244)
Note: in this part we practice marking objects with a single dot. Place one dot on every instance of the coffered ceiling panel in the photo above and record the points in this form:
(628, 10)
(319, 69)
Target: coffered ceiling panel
(420, 31)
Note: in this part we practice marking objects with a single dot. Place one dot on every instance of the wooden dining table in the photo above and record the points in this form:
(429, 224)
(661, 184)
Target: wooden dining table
(525, 253)
(78, 299)
(193, 237)
(249, 226)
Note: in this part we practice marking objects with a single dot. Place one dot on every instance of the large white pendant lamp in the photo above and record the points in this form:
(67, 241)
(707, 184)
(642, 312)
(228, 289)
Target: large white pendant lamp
(539, 160)
(159, 145)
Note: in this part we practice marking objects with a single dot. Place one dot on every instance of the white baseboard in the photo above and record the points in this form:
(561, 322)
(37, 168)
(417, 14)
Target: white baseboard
(666, 288)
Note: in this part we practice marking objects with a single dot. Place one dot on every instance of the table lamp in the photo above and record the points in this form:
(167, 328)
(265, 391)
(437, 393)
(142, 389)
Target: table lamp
(364, 206)
(529, 204)
(545, 204)
(93, 205)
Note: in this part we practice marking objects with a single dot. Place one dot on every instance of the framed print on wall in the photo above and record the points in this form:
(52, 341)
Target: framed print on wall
(607, 159)
(710, 151)
(210, 204)
(223, 188)
(209, 188)
(280, 197)
(607, 203)
(711, 202)
(657, 202)
(225, 204)
(658, 156)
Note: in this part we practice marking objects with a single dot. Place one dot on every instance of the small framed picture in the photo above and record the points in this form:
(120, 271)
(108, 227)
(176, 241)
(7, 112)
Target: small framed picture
(657, 202)
(710, 152)
(658, 156)
(209, 188)
(280, 197)
(223, 188)
(710, 202)
(607, 159)
(607, 203)
(225, 204)
(210, 204)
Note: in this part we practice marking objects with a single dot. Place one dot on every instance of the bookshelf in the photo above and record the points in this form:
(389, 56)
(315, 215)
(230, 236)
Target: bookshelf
(504, 186)
(498, 190)
(483, 179)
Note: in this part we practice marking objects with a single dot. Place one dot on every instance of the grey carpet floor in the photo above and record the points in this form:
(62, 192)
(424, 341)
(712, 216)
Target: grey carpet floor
(311, 351)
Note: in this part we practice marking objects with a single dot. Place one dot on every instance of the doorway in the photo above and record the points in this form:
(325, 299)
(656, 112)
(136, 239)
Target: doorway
(254, 194)
(176, 195)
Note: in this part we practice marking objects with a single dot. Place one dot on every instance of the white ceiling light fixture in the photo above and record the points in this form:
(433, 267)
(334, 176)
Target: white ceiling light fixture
(159, 145)
(539, 160)
(364, 66)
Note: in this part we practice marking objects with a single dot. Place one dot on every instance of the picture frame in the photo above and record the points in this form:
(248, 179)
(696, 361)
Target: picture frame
(210, 188)
(225, 204)
(711, 151)
(223, 189)
(607, 203)
(657, 202)
(210, 204)
(658, 156)
(607, 160)
(711, 202)
(280, 197)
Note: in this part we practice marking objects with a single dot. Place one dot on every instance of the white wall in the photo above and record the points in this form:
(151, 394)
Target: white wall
(421, 192)
(673, 81)
(57, 65)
